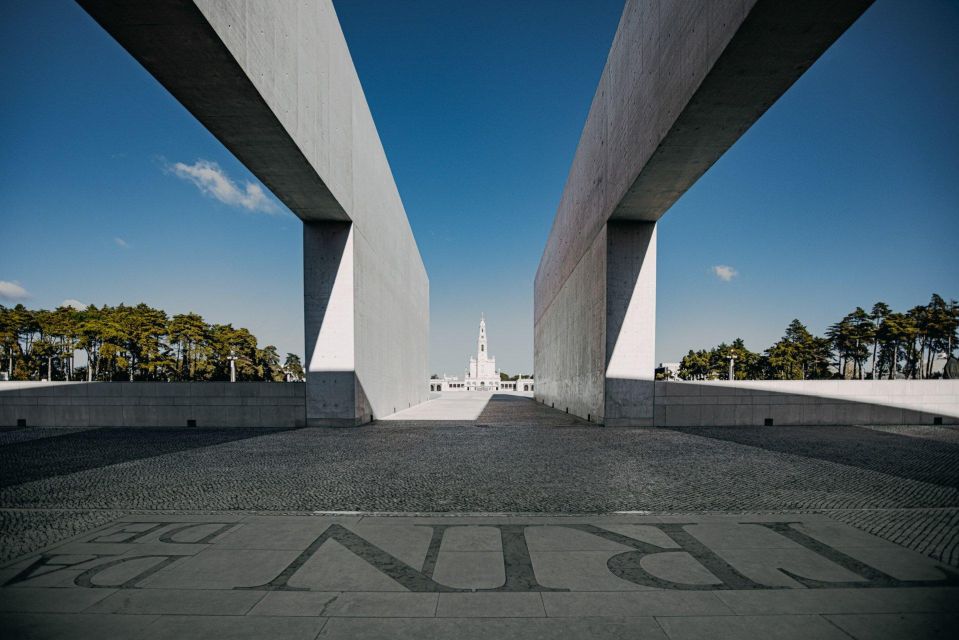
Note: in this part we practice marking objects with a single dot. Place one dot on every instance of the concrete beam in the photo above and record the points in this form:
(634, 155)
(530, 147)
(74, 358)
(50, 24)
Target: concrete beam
(184, 51)
(683, 81)
(275, 83)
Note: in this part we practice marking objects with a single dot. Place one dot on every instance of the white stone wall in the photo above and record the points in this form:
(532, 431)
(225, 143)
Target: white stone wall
(806, 402)
(152, 404)
(677, 404)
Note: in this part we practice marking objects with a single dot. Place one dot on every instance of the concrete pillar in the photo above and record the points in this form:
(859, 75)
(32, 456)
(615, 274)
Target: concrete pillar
(630, 323)
(595, 342)
(328, 303)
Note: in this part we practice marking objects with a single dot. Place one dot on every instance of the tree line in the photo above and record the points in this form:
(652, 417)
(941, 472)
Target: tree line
(876, 344)
(133, 343)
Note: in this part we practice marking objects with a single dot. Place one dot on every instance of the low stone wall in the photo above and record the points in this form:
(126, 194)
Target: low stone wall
(806, 402)
(152, 404)
(676, 404)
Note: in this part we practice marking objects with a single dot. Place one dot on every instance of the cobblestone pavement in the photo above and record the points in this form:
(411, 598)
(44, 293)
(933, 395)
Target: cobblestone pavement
(933, 532)
(916, 458)
(24, 531)
(24, 434)
(79, 449)
(542, 462)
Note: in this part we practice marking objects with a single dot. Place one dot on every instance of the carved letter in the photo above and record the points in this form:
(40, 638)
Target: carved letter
(207, 539)
(381, 560)
(517, 563)
(875, 577)
(32, 571)
(85, 579)
(627, 566)
(134, 535)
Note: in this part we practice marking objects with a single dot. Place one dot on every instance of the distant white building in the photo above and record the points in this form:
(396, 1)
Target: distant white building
(481, 372)
(446, 383)
(522, 384)
(668, 370)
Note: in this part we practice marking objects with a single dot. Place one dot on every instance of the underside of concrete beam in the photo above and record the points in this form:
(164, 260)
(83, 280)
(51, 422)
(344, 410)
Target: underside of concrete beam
(181, 49)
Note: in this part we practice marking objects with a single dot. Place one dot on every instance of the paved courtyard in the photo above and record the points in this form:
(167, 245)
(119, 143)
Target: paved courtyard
(511, 520)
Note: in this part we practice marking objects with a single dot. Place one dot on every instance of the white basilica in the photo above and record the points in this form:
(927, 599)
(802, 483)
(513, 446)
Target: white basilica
(481, 372)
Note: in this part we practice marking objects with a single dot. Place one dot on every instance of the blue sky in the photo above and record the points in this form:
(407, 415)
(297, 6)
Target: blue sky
(844, 193)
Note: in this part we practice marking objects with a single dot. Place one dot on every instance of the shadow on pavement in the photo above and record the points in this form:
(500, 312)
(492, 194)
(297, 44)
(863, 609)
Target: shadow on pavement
(31, 460)
(522, 411)
(902, 456)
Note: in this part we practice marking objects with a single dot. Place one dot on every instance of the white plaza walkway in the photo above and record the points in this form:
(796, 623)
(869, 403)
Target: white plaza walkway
(452, 405)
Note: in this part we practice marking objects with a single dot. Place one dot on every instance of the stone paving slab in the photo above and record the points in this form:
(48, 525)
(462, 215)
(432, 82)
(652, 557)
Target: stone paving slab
(898, 625)
(82, 626)
(239, 627)
(788, 575)
(485, 629)
(737, 627)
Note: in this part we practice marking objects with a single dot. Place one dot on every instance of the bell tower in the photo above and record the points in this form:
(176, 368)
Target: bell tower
(482, 373)
(481, 348)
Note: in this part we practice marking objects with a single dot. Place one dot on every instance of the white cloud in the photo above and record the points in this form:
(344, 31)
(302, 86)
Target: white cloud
(120, 242)
(724, 272)
(75, 304)
(12, 291)
(212, 180)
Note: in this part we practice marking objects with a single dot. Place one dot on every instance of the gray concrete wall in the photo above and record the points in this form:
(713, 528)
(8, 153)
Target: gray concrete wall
(275, 83)
(569, 340)
(392, 332)
(684, 79)
(806, 402)
(152, 404)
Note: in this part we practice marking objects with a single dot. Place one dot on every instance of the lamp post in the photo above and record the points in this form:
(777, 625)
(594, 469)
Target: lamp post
(732, 367)
(232, 359)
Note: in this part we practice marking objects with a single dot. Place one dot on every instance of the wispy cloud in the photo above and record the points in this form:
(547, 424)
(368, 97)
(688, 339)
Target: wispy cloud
(213, 181)
(724, 272)
(74, 304)
(12, 291)
(120, 242)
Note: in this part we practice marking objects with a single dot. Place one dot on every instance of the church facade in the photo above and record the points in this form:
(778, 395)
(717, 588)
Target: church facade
(481, 373)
